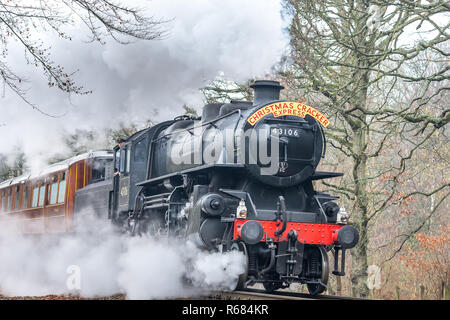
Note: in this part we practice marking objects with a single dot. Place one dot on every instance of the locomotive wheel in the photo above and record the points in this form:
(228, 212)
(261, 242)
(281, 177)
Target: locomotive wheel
(317, 288)
(240, 283)
(271, 286)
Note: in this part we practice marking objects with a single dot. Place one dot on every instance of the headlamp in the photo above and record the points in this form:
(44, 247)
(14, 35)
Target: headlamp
(241, 211)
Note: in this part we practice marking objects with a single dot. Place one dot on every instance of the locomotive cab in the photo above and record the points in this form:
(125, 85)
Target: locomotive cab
(131, 162)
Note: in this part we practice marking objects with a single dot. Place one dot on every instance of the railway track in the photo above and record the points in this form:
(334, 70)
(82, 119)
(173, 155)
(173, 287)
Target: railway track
(249, 294)
(257, 294)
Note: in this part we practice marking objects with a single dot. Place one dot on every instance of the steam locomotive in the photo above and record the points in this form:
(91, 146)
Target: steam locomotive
(240, 177)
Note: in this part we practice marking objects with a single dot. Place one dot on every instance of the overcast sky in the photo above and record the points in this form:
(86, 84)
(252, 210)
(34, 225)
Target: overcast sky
(146, 79)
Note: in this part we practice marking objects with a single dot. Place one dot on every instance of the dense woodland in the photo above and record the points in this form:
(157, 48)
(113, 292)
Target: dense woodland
(380, 71)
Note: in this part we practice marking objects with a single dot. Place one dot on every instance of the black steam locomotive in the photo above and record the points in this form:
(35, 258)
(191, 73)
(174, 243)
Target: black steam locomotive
(240, 177)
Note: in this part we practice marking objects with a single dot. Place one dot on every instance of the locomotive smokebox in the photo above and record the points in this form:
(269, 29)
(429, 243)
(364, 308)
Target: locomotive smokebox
(265, 91)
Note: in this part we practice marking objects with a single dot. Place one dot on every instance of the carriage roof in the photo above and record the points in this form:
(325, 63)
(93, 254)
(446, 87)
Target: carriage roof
(56, 167)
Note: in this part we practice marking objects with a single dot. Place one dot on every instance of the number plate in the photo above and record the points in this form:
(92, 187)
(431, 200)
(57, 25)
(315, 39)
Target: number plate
(286, 132)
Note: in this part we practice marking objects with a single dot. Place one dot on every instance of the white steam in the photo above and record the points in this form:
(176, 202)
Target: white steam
(143, 80)
(109, 263)
(133, 83)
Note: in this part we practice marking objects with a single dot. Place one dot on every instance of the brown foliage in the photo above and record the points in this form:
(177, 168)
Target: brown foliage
(429, 261)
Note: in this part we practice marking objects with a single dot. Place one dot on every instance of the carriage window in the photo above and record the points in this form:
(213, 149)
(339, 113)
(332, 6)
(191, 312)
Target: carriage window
(98, 170)
(34, 202)
(139, 151)
(16, 202)
(3, 207)
(41, 195)
(9, 198)
(25, 198)
(53, 192)
(62, 190)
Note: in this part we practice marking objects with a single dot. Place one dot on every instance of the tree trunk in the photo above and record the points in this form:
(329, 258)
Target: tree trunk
(359, 214)
(359, 218)
(446, 294)
(360, 177)
(338, 286)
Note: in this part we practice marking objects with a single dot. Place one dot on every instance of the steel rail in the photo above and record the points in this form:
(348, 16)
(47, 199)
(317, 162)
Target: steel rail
(257, 294)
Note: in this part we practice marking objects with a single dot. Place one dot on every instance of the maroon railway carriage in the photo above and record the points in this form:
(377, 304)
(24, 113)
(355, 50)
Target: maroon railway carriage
(44, 202)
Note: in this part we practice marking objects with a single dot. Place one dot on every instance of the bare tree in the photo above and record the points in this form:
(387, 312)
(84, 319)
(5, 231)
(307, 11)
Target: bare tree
(13, 165)
(222, 90)
(24, 20)
(380, 71)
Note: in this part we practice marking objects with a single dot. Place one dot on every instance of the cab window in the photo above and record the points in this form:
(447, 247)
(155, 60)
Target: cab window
(117, 160)
(139, 151)
(123, 154)
(128, 160)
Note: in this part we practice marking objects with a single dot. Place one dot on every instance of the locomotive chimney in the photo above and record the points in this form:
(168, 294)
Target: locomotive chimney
(266, 91)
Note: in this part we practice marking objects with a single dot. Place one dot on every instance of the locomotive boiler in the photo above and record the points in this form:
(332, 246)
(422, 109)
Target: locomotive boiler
(240, 177)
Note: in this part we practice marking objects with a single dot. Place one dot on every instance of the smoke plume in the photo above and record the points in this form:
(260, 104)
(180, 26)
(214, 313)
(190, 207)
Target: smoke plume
(132, 83)
(145, 80)
(98, 261)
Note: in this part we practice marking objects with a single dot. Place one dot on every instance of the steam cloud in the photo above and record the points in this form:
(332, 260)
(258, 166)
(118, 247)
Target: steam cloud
(110, 263)
(142, 80)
